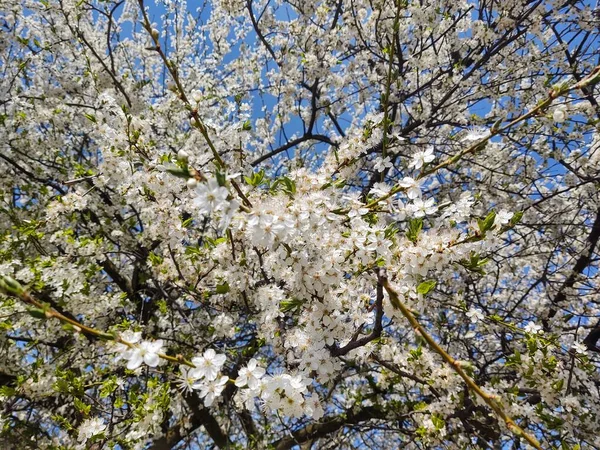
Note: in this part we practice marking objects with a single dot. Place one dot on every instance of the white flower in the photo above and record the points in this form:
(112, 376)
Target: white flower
(312, 407)
(503, 217)
(476, 134)
(412, 186)
(579, 348)
(124, 350)
(196, 96)
(210, 197)
(146, 352)
(560, 114)
(207, 366)
(89, 428)
(185, 381)
(419, 159)
(532, 328)
(475, 314)
(192, 183)
(211, 390)
(420, 208)
(182, 155)
(382, 163)
(250, 375)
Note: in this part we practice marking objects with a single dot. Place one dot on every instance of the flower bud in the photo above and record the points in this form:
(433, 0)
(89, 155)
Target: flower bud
(10, 286)
(197, 96)
(183, 156)
(192, 183)
(559, 115)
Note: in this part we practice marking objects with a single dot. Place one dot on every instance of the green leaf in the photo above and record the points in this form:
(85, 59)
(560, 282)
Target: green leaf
(82, 407)
(487, 223)
(222, 288)
(426, 287)
(10, 286)
(90, 117)
(286, 184)
(38, 313)
(475, 263)
(438, 422)
(256, 179)
(108, 387)
(516, 218)
(221, 177)
(414, 229)
(290, 304)
(558, 385)
(178, 171)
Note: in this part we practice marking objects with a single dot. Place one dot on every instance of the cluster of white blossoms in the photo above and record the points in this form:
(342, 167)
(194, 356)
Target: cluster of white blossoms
(284, 393)
(137, 351)
(259, 229)
(213, 198)
(90, 428)
(205, 376)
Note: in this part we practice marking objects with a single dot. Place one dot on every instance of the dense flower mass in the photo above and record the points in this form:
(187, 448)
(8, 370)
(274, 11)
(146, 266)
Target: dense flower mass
(315, 224)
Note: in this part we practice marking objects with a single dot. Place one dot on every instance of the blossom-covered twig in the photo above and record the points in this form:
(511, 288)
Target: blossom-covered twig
(456, 365)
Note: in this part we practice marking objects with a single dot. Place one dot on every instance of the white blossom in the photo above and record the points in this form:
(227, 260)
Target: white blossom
(533, 328)
(211, 389)
(476, 134)
(475, 315)
(420, 208)
(250, 375)
(208, 365)
(412, 186)
(211, 197)
(560, 114)
(89, 428)
(146, 352)
(421, 158)
(382, 163)
(503, 217)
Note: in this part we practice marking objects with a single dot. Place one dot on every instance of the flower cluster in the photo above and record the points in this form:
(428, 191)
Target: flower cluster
(205, 376)
(284, 393)
(137, 351)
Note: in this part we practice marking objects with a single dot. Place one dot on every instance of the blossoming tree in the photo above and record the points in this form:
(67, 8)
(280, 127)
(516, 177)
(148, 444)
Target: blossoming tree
(310, 224)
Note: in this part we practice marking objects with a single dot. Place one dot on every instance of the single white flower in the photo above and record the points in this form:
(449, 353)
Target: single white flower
(420, 208)
(210, 197)
(312, 407)
(196, 96)
(212, 389)
(182, 155)
(476, 134)
(560, 114)
(124, 350)
(421, 158)
(382, 163)
(532, 328)
(503, 217)
(412, 186)
(192, 183)
(146, 352)
(250, 375)
(579, 348)
(185, 381)
(207, 366)
(475, 315)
